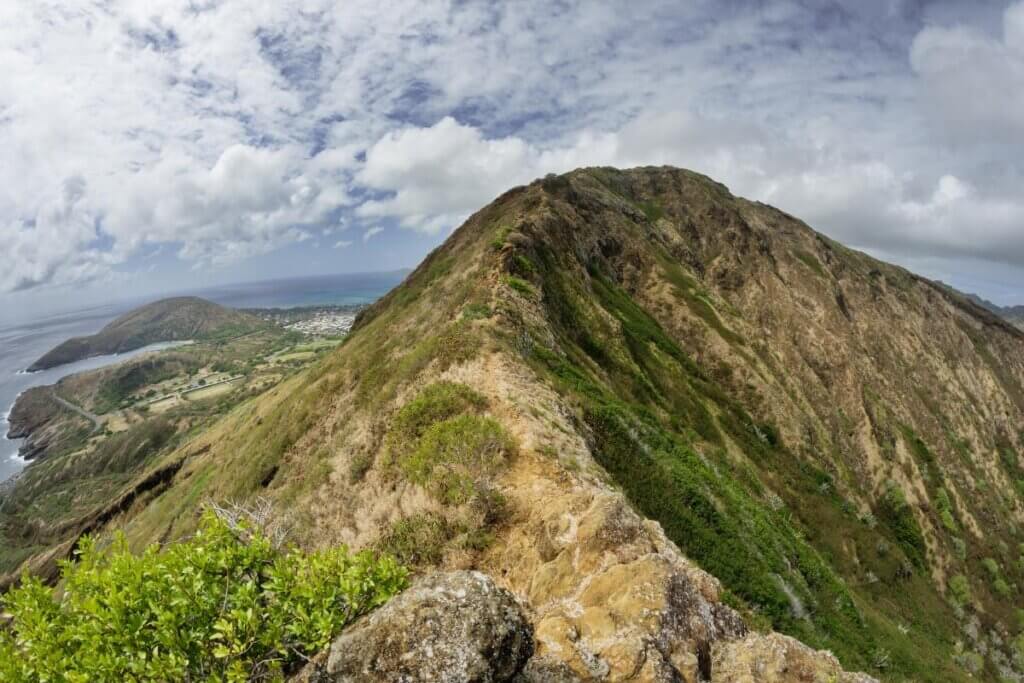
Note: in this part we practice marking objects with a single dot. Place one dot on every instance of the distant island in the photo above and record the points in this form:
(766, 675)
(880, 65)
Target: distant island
(174, 319)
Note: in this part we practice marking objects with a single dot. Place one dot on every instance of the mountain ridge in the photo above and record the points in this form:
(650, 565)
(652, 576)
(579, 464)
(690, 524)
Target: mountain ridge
(702, 421)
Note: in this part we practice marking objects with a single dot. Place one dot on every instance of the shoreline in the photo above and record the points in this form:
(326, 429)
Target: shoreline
(156, 346)
(5, 429)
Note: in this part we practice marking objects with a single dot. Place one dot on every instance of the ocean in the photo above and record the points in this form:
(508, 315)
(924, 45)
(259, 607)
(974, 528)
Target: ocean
(23, 342)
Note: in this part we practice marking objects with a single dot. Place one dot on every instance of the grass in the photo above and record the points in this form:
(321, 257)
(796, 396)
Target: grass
(436, 402)
(811, 261)
(418, 540)
(894, 512)
(520, 285)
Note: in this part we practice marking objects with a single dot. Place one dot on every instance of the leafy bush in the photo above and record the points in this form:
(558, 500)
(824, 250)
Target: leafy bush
(991, 566)
(214, 608)
(454, 454)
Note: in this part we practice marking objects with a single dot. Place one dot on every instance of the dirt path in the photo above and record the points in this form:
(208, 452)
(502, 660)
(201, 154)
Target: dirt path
(95, 419)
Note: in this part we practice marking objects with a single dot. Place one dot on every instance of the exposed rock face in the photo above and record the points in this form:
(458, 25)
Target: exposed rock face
(42, 422)
(614, 599)
(448, 627)
(777, 659)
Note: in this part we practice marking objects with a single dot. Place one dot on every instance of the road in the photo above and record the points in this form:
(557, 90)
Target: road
(95, 419)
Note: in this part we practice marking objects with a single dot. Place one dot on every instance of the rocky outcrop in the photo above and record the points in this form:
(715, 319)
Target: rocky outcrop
(35, 417)
(778, 659)
(455, 627)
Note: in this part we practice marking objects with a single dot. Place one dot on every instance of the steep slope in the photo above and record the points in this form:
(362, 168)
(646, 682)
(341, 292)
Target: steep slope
(1012, 314)
(176, 319)
(834, 439)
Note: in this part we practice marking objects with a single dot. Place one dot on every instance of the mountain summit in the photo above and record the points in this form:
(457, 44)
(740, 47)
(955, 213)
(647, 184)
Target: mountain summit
(683, 428)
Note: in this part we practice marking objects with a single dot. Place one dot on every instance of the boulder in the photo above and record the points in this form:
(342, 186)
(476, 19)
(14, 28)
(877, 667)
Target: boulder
(775, 658)
(456, 627)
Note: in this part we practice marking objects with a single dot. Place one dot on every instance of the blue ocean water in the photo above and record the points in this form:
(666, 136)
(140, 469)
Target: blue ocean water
(23, 342)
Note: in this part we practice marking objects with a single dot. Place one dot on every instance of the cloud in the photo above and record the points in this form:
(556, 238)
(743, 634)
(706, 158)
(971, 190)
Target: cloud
(973, 82)
(437, 175)
(341, 244)
(220, 131)
(371, 233)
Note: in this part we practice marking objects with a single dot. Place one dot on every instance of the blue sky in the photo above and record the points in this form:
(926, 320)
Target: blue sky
(158, 145)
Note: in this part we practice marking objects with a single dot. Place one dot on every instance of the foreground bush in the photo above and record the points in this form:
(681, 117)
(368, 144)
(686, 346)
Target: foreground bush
(215, 608)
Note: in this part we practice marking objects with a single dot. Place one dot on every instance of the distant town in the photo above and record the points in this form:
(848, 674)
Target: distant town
(317, 321)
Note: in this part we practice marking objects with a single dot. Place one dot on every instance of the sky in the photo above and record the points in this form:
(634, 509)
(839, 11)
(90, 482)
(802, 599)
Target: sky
(150, 146)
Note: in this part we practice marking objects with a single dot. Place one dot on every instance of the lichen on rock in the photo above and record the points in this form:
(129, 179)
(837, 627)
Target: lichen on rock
(452, 627)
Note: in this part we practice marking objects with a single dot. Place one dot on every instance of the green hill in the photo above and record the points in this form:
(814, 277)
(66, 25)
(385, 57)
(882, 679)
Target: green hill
(176, 319)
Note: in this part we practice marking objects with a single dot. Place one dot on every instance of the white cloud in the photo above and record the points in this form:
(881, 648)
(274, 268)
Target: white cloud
(371, 233)
(228, 129)
(973, 82)
(441, 173)
(341, 244)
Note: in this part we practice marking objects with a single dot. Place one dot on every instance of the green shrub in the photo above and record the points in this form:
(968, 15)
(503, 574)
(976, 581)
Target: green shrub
(476, 311)
(438, 401)
(959, 590)
(895, 513)
(523, 264)
(214, 608)
(455, 454)
(991, 566)
(419, 539)
(520, 285)
(945, 508)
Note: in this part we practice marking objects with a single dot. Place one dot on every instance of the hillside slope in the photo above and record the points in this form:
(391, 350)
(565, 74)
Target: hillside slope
(822, 444)
(176, 319)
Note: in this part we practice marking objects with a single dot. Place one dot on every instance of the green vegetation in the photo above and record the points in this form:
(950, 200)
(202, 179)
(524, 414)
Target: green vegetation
(653, 211)
(895, 513)
(477, 312)
(438, 401)
(440, 441)
(419, 539)
(520, 285)
(960, 590)
(453, 456)
(945, 510)
(223, 606)
(811, 261)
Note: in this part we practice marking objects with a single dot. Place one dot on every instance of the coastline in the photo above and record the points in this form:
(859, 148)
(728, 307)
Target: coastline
(137, 351)
(5, 429)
